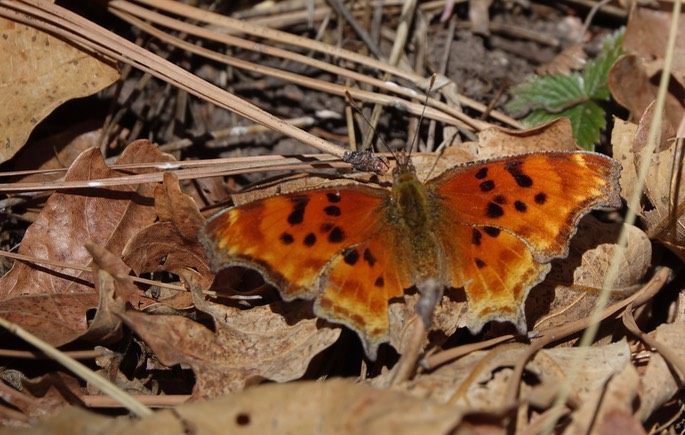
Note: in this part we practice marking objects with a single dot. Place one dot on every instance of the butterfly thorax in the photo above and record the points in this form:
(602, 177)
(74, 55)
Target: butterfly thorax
(410, 200)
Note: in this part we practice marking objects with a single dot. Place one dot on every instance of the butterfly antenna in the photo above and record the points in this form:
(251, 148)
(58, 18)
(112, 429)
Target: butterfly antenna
(356, 107)
(423, 112)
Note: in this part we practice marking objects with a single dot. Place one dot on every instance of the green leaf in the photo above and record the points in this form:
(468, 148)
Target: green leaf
(551, 93)
(596, 72)
(574, 96)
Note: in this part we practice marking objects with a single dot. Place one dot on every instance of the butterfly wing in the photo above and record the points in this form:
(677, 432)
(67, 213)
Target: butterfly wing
(512, 216)
(496, 269)
(327, 244)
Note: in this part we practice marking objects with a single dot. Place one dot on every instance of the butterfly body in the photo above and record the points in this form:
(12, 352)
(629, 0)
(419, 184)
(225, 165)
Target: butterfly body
(414, 211)
(490, 227)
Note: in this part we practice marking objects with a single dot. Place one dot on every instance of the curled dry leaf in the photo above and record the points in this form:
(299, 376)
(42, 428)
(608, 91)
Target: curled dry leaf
(480, 380)
(571, 288)
(247, 345)
(661, 211)
(658, 384)
(37, 398)
(39, 73)
(52, 301)
(634, 79)
(115, 287)
(330, 407)
(170, 244)
(555, 135)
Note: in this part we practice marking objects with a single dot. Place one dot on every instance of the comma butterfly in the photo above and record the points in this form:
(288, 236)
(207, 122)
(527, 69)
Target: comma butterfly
(491, 227)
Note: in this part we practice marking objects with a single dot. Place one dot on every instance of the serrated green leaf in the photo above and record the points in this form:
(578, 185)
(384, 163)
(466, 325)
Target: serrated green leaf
(596, 72)
(552, 96)
(550, 93)
(587, 120)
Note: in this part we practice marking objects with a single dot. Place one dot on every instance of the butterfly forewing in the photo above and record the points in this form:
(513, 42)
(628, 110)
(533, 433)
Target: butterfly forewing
(537, 197)
(329, 244)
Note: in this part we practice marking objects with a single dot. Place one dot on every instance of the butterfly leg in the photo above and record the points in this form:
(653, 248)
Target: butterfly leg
(431, 292)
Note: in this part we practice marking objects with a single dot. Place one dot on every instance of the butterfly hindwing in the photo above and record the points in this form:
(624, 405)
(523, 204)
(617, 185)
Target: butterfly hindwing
(496, 270)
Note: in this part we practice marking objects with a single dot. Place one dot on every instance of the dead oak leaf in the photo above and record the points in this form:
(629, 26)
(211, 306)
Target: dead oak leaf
(332, 407)
(52, 301)
(248, 345)
(39, 72)
(170, 244)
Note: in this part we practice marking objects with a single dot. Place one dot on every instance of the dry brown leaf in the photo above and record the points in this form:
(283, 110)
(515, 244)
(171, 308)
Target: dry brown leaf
(572, 58)
(480, 380)
(170, 244)
(50, 301)
(634, 79)
(39, 397)
(40, 72)
(630, 85)
(58, 151)
(273, 342)
(72, 420)
(113, 277)
(330, 407)
(571, 288)
(556, 135)
(662, 214)
(607, 383)
(616, 422)
(622, 138)
(647, 32)
(658, 384)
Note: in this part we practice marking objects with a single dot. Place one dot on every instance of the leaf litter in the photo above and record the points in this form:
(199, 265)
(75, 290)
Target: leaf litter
(221, 337)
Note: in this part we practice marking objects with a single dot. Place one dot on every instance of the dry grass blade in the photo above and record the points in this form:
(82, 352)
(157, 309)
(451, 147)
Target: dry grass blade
(79, 369)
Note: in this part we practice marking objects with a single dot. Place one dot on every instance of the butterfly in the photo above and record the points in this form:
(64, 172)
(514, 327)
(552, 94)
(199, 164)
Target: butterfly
(490, 227)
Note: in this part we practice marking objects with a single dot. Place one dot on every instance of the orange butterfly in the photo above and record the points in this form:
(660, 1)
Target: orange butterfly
(490, 227)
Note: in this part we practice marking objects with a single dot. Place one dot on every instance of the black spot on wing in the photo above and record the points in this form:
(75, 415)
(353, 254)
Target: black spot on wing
(482, 173)
(351, 257)
(494, 210)
(332, 210)
(336, 235)
(286, 238)
(541, 198)
(310, 240)
(492, 231)
(514, 168)
(296, 216)
(476, 236)
(333, 197)
(369, 258)
(486, 186)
